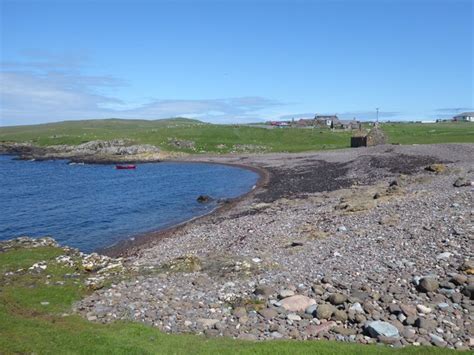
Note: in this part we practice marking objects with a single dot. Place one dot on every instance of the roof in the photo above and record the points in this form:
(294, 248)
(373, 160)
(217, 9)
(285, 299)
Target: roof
(348, 121)
(465, 114)
(325, 117)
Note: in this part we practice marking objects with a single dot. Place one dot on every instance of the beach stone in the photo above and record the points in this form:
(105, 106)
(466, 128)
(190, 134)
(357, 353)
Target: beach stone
(427, 324)
(460, 182)
(444, 256)
(357, 308)
(428, 284)
(436, 168)
(286, 293)
(297, 303)
(394, 308)
(423, 309)
(459, 279)
(324, 311)
(314, 330)
(408, 310)
(311, 309)
(240, 312)
(339, 315)
(443, 306)
(468, 291)
(437, 340)
(293, 317)
(264, 290)
(207, 323)
(337, 298)
(318, 290)
(379, 328)
(268, 313)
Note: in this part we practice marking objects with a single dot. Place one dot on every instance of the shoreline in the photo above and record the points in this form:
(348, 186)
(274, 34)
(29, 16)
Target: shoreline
(367, 238)
(130, 247)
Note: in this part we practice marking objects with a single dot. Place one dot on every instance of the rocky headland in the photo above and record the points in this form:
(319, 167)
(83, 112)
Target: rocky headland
(117, 150)
(363, 245)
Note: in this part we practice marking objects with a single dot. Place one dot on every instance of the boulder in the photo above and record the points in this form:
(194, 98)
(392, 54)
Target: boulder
(268, 313)
(379, 328)
(297, 303)
(428, 284)
(337, 298)
(325, 311)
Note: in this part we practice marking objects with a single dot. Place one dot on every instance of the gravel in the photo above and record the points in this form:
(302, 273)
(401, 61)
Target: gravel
(403, 261)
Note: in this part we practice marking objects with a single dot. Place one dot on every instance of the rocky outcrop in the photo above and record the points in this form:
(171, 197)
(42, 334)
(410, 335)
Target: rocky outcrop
(93, 151)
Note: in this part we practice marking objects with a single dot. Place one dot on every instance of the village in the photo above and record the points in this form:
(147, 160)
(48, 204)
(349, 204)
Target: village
(334, 122)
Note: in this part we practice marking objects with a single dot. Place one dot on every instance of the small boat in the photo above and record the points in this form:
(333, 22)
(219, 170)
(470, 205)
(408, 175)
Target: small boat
(125, 167)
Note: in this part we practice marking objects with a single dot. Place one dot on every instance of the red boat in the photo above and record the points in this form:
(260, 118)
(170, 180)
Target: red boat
(125, 167)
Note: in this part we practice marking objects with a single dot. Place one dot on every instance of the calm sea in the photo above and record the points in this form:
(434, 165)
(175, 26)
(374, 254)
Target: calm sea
(94, 206)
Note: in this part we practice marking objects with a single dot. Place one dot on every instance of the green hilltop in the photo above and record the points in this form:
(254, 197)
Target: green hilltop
(194, 136)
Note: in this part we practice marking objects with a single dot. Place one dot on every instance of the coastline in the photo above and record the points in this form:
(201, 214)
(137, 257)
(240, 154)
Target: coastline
(131, 246)
(367, 236)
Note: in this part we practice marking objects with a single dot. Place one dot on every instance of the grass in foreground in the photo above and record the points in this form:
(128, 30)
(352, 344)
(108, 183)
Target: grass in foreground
(27, 326)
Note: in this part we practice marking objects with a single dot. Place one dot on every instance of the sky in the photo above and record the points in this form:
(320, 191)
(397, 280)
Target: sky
(234, 61)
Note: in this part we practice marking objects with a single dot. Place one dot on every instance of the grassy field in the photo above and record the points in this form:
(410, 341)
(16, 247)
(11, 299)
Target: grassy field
(27, 326)
(226, 138)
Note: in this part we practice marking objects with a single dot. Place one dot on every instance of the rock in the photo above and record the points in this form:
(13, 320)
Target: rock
(264, 290)
(324, 311)
(436, 168)
(444, 256)
(342, 229)
(408, 310)
(268, 313)
(286, 293)
(443, 306)
(437, 340)
(340, 315)
(240, 312)
(318, 290)
(204, 199)
(344, 331)
(468, 267)
(379, 328)
(468, 291)
(314, 330)
(428, 284)
(394, 308)
(460, 182)
(276, 335)
(357, 308)
(427, 324)
(311, 309)
(293, 317)
(423, 309)
(337, 298)
(297, 303)
(207, 323)
(459, 279)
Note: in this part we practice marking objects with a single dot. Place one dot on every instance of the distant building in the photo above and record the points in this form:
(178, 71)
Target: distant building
(465, 116)
(349, 124)
(326, 120)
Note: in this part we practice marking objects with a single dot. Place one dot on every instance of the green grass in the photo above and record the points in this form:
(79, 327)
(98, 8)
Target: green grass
(210, 138)
(430, 133)
(26, 326)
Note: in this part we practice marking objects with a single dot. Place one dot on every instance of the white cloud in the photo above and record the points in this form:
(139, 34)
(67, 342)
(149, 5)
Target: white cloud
(31, 92)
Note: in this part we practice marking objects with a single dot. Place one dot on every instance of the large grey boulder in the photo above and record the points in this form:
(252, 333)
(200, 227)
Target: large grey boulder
(379, 328)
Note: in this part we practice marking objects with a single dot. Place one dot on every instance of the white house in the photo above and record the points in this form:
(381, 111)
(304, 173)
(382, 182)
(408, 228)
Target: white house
(465, 116)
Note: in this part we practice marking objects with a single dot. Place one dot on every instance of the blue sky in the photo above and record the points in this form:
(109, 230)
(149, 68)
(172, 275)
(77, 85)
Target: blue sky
(234, 61)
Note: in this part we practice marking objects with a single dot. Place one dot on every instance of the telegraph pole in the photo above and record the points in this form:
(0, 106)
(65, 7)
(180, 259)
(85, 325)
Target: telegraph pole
(377, 109)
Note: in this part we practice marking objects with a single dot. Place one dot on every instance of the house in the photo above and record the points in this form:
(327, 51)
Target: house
(326, 120)
(349, 124)
(465, 116)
